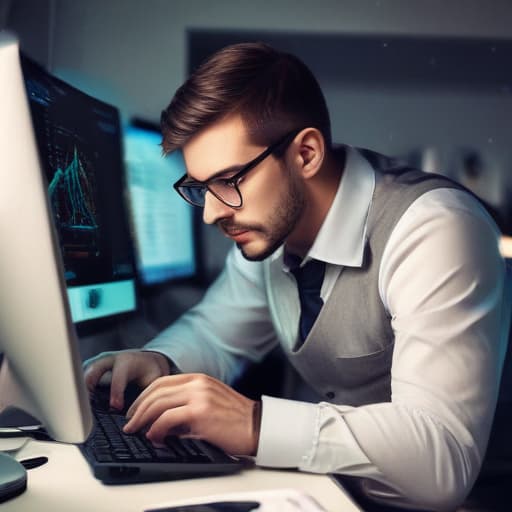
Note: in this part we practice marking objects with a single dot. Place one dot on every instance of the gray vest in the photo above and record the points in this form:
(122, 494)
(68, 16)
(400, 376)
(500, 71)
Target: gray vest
(347, 355)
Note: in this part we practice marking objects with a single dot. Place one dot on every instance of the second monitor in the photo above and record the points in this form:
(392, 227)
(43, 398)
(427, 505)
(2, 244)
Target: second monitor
(162, 222)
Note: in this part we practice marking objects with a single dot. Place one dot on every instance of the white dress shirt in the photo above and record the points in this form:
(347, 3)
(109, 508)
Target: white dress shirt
(441, 281)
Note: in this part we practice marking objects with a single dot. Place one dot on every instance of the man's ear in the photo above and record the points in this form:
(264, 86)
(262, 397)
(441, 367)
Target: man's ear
(310, 151)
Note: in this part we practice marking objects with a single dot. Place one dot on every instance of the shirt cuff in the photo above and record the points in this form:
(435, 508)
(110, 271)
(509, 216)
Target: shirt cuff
(281, 443)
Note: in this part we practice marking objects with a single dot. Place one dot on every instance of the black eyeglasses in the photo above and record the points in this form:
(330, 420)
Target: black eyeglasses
(226, 189)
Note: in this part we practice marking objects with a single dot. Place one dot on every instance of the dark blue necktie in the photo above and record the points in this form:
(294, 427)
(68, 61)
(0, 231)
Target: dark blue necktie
(309, 282)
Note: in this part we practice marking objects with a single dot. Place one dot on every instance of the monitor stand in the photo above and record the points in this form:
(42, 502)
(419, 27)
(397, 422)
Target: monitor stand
(13, 477)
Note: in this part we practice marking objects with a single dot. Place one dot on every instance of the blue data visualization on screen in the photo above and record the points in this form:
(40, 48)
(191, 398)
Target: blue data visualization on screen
(79, 142)
(162, 221)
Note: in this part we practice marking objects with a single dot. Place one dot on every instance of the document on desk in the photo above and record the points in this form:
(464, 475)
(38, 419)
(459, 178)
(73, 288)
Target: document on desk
(280, 500)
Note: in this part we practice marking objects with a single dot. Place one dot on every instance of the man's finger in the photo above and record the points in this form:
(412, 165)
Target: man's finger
(167, 422)
(153, 387)
(154, 406)
(95, 370)
(120, 378)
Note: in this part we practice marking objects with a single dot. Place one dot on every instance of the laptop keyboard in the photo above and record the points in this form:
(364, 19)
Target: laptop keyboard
(119, 458)
(108, 443)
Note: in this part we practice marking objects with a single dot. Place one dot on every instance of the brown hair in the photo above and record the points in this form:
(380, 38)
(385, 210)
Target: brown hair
(274, 92)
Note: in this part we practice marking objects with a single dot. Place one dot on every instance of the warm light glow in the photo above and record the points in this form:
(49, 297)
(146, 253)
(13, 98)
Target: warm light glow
(506, 246)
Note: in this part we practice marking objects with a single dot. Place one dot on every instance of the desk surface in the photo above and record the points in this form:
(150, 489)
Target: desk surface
(66, 483)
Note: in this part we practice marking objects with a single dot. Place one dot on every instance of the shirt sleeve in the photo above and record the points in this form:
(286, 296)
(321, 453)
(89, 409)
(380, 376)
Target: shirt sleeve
(441, 280)
(230, 325)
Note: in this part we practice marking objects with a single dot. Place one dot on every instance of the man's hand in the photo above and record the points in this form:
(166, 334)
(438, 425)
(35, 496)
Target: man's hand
(195, 405)
(126, 366)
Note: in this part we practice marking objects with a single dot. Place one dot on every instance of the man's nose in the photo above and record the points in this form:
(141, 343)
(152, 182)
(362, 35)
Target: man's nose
(214, 209)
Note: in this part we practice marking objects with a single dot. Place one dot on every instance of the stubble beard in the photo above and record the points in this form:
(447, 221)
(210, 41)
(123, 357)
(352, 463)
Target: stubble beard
(280, 224)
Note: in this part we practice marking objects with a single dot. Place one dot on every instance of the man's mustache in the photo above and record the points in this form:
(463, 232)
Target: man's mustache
(231, 227)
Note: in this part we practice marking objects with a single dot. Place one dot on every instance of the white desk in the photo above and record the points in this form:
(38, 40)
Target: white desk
(65, 483)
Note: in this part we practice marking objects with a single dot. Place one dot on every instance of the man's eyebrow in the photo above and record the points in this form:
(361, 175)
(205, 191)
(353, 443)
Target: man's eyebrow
(228, 170)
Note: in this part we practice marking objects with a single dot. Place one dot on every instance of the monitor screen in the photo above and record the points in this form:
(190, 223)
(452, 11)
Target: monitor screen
(79, 142)
(162, 222)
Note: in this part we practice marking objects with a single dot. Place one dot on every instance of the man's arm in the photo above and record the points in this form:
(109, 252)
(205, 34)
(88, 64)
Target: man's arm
(231, 324)
(441, 280)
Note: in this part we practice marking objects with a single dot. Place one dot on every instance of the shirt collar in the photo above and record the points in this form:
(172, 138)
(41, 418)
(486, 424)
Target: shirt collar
(342, 236)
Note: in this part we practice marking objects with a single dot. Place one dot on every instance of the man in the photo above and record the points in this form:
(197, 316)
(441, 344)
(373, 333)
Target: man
(397, 328)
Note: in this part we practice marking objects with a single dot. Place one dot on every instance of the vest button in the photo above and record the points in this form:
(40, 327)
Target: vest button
(330, 395)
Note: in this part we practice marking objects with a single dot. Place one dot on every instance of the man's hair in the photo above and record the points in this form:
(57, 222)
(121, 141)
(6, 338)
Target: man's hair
(274, 92)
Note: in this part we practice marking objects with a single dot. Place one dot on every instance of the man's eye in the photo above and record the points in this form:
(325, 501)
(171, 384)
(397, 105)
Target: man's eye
(225, 182)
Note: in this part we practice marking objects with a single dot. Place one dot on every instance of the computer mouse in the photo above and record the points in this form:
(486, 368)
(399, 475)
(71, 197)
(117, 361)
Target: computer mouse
(13, 477)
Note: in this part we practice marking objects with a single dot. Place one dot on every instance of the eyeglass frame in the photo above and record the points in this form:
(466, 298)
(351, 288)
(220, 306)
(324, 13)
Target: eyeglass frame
(234, 180)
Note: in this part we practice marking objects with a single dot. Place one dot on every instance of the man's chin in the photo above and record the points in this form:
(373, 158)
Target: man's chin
(250, 256)
(253, 254)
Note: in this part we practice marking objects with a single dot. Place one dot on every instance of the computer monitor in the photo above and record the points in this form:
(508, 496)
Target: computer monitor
(163, 224)
(79, 141)
(41, 371)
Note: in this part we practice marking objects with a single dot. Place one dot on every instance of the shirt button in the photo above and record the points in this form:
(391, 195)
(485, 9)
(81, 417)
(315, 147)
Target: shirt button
(330, 395)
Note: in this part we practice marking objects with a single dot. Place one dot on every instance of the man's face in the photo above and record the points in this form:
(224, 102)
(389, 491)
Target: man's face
(273, 194)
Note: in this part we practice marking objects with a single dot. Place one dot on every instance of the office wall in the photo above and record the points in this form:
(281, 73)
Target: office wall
(34, 22)
(135, 54)
(5, 7)
(137, 49)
